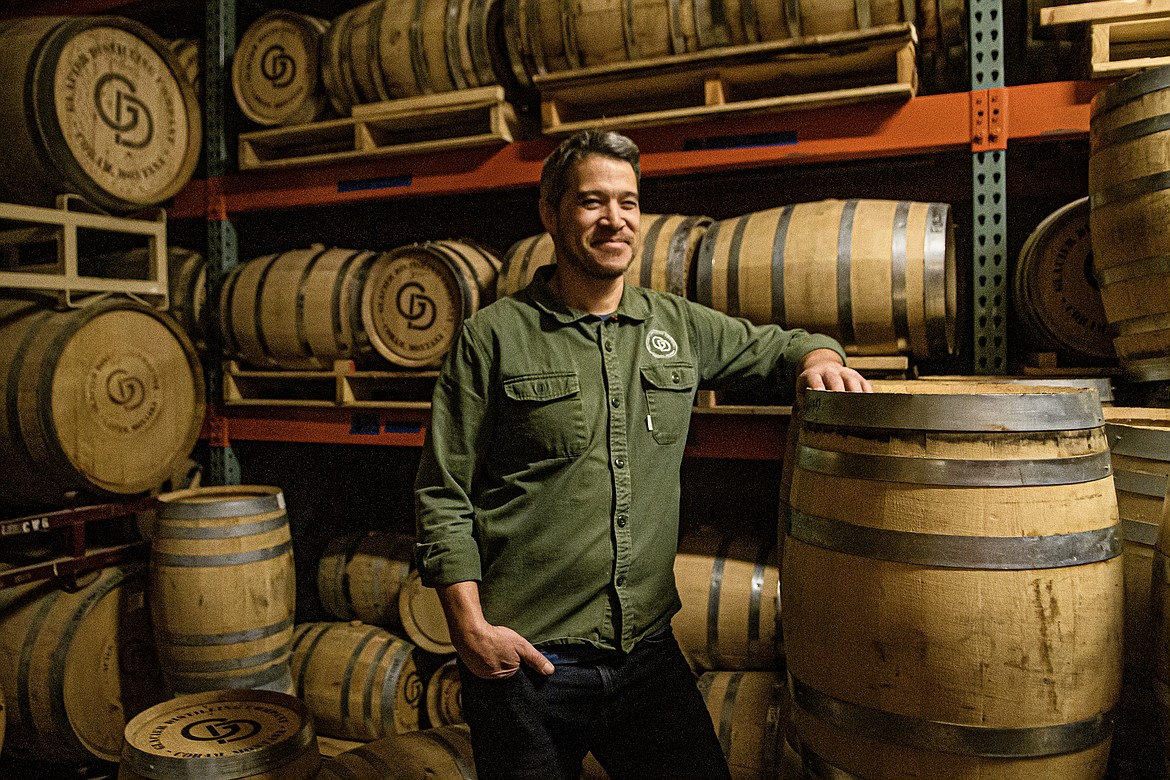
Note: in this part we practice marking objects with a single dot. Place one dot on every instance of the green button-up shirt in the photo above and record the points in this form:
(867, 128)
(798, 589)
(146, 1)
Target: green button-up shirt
(550, 472)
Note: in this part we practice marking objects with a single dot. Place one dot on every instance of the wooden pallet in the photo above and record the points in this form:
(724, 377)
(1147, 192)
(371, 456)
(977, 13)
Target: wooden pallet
(1119, 48)
(450, 120)
(801, 73)
(1104, 11)
(343, 386)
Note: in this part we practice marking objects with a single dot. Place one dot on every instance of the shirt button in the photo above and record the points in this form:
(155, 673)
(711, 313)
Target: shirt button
(616, 402)
(620, 462)
(621, 521)
(609, 346)
(675, 377)
(621, 580)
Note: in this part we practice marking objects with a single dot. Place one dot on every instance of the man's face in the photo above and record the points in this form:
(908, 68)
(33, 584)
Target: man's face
(595, 225)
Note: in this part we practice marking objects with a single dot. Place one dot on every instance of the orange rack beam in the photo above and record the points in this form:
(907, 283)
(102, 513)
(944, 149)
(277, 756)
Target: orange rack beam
(922, 125)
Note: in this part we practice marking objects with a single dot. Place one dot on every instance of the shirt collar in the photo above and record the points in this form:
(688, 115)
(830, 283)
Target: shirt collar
(633, 305)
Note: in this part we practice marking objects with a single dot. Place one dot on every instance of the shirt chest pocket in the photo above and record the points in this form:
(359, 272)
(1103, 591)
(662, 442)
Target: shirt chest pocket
(543, 416)
(670, 391)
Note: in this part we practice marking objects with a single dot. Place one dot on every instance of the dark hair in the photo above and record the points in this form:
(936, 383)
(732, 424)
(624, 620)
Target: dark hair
(554, 176)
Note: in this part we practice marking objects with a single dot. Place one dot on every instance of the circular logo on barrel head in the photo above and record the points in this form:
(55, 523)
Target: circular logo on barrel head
(277, 66)
(413, 689)
(122, 391)
(220, 730)
(123, 115)
(415, 307)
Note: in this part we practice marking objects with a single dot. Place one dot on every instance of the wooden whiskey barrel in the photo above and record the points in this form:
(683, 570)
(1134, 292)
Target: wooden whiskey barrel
(276, 72)
(227, 735)
(416, 300)
(1129, 187)
(1056, 296)
(1139, 446)
(666, 261)
(943, 542)
(442, 753)
(730, 592)
(223, 589)
(188, 53)
(107, 113)
(445, 696)
(877, 275)
(359, 682)
(359, 576)
(421, 614)
(297, 309)
(749, 711)
(103, 400)
(1160, 612)
(76, 666)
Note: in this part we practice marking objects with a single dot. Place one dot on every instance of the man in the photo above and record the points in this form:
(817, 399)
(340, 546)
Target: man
(548, 493)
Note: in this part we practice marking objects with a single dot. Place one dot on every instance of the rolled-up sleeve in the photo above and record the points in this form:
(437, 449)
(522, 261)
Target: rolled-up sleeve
(445, 545)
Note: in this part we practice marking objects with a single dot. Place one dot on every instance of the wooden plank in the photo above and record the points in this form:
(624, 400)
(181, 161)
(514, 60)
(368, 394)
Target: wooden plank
(432, 123)
(1119, 48)
(855, 67)
(1104, 10)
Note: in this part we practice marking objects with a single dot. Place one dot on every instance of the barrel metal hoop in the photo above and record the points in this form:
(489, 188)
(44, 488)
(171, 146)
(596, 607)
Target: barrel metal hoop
(677, 41)
(277, 675)
(862, 15)
(956, 472)
(226, 559)
(844, 273)
(727, 716)
(1104, 139)
(756, 599)
(1003, 553)
(1021, 742)
(779, 315)
(1139, 533)
(1153, 485)
(705, 267)
(1155, 369)
(714, 595)
(319, 631)
(1130, 188)
(418, 57)
(733, 253)
(368, 688)
(350, 664)
(221, 510)
(935, 271)
(898, 274)
(677, 259)
(1135, 326)
(792, 17)
(751, 21)
(465, 769)
(191, 667)
(629, 36)
(1137, 441)
(302, 333)
(226, 638)
(390, 681)
(1128, 89)
(170, 531)
(569, 40)
(451, 45)
(972, 413)
(817, 768)
(1135, 269)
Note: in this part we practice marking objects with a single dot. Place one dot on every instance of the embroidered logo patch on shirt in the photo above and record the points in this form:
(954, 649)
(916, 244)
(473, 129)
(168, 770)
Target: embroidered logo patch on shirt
(661, 344)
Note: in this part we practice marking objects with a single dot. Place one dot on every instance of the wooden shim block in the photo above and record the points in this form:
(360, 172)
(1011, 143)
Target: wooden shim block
(459, 119)
(847, 67)
(1127, 47)
(1104, 10)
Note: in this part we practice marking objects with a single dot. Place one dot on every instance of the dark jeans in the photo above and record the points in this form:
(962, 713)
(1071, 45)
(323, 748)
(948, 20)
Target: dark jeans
(640, 714)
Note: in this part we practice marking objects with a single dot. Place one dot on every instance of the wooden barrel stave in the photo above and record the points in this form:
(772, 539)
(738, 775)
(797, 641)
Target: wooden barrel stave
(749, 711)
(442, 753)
